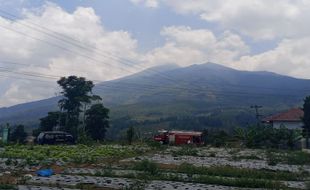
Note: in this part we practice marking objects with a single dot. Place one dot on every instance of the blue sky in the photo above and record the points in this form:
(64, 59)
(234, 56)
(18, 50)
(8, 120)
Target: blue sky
(247, 35)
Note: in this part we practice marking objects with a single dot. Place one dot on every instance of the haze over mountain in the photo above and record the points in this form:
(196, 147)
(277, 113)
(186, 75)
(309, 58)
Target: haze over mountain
(170, 90)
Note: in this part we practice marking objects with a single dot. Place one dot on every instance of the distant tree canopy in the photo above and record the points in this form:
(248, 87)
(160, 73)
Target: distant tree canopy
(306, 118)
(18, 135)
(96, 121)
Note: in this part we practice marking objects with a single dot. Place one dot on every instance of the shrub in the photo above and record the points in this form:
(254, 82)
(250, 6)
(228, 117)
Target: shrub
(9, 187)
(155, 145)
(147, 167)
(185, 151)
(187, 168)
(298, 158)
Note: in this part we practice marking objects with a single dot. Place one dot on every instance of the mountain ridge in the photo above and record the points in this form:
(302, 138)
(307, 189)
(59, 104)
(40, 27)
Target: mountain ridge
(180, 90)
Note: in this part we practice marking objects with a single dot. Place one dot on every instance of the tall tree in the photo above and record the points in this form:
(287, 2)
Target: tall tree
(306, 118)
(77, 91)
(96, 121)
(19, 135)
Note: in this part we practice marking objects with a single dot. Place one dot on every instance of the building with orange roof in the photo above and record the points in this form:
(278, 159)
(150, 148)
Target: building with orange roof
(291, 119)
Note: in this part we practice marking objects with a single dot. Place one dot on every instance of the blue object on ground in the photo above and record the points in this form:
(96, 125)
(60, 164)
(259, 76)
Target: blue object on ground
(45, 172)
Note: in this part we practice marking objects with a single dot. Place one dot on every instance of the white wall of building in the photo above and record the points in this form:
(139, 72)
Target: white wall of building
(289, 125)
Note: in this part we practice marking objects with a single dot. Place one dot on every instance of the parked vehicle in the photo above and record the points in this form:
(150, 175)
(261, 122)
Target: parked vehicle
(55, 137)
(179, 137)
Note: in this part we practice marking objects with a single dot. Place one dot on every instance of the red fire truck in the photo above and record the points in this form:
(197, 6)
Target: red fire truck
(179, 137)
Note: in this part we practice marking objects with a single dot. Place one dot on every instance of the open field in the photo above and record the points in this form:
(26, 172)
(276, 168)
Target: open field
(152, 167)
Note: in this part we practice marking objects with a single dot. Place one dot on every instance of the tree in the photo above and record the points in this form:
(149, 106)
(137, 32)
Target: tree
(130, 134)
(19, 135)
(49, 122)
(96, 121)
(306, 119)
(77, 91)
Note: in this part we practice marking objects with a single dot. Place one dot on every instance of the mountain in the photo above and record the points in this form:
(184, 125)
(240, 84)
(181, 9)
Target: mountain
(168, 91)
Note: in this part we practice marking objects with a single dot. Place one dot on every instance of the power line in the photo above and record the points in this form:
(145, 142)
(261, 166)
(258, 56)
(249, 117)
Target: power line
(63, 38)
(60, 36)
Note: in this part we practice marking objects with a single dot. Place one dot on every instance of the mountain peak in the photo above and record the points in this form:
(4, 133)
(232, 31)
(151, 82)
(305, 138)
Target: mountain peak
(164, 67)
(210, 65)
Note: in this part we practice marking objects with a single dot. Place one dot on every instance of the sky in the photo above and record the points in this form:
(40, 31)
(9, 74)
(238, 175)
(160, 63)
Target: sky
(104, 40)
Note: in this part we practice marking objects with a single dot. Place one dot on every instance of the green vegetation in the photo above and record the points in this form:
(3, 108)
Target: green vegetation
(77, 154)
(130, 134)
(8, 187)
(52, 120)
(228, 171)
(148, 167)
(239, 182)
(246, 157)
(96, 121)
(267, 137)
(185, 151)
(213, 176)
(306, 119)
(288, 157)
(77, 99)
(19, 135)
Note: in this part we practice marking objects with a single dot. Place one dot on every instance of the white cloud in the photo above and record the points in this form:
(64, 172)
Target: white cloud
(186, 46)
(285, 21)
(260, 19)
(147, 3)
(290, 57)
(91, 61)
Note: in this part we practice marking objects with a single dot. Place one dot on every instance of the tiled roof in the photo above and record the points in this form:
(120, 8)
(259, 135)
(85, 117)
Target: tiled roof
(294, 114)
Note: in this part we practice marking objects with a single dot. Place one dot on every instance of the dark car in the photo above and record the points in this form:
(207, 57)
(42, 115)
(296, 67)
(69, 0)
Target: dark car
(55, 137)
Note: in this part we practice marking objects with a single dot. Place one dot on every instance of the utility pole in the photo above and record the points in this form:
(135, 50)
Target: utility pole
(256, 107)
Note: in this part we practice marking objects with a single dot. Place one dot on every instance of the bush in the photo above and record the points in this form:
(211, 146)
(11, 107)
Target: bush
(298, 158)
(155, 145)
(147, 167)
(187, 168)
(85, 139)
(9, 187)
(267, 137)
(185, 151)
